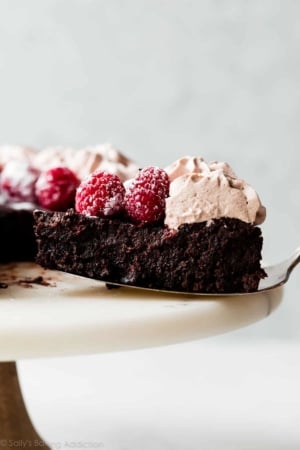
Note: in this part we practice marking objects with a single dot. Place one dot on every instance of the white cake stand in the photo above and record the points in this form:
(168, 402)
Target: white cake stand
(48, 313)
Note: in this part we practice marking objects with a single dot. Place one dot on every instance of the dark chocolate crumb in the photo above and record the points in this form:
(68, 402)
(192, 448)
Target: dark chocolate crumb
(37, 280)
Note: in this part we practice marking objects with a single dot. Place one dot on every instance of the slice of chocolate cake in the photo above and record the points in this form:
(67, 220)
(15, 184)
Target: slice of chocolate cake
(191, 228)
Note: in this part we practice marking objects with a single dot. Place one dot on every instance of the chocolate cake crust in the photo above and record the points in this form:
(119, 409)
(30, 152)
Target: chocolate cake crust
(220, 257)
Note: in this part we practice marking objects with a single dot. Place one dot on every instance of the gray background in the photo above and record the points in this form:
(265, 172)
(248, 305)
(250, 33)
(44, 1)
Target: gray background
(161, 79)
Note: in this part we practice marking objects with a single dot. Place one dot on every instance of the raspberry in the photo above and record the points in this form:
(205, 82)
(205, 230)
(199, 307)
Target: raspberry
(143, 205)
(18, 180)
(101, 194)
(153, 179)
(145, 197)
(55, 189)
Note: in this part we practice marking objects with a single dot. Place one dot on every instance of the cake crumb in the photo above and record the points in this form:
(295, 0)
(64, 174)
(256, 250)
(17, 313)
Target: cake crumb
(37, 280)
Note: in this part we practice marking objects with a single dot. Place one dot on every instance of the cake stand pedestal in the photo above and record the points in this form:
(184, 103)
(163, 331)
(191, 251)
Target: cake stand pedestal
(16, 427)
(49, 313)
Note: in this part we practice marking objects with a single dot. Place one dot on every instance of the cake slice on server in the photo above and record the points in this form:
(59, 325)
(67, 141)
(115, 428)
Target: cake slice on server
(192, 227)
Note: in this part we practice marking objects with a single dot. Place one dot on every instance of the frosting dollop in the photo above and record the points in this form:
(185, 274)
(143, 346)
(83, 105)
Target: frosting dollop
(201, 191)
(86, 160)
(15, 152)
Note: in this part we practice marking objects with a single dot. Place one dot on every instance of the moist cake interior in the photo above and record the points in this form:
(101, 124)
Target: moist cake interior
(223, 256)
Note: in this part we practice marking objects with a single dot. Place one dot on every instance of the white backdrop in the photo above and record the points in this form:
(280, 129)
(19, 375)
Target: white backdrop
(160, 79)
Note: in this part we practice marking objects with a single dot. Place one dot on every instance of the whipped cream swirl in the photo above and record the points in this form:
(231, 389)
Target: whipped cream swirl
(201, 191)
(15, 152)
(82, 162)
(86, 160)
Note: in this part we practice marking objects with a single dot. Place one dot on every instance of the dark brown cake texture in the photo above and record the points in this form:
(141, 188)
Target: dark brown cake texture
(222, 256)
(17, 239)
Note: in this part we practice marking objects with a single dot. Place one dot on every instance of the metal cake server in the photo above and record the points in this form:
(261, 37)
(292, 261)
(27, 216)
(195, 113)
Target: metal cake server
(277, 275)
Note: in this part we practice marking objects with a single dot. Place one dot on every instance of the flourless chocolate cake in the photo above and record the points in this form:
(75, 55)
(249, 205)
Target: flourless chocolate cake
(192, 227)
(47, 179)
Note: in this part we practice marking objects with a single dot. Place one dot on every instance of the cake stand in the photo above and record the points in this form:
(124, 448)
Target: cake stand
(49, 313)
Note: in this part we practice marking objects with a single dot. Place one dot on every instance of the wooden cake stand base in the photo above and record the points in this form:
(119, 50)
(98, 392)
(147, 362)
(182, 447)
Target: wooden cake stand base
(16, 429)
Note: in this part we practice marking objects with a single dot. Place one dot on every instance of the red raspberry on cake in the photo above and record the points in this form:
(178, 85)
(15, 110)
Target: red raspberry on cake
(145, 197)
(55, 189)
(18, 180)
(101, 194)
(153, 179)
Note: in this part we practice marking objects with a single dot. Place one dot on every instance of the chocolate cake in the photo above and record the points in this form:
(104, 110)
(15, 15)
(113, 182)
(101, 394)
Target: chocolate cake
(23, 168)
(222, 257)
(192, 227)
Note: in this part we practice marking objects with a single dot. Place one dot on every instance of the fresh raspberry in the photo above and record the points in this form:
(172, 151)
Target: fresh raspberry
(153, 179)
(143, 205)
(18, 180)
(55, 189)
(145, 196)
(101, 194)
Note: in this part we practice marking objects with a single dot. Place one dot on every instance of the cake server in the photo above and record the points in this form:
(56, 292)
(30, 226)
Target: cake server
(278, 274)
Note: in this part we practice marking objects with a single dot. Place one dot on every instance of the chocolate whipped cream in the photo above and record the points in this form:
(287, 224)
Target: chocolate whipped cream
(9, 152)
(85, 161)
(201, 191)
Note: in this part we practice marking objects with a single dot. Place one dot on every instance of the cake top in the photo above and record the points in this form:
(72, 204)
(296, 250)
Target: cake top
(31, 177)
(201, 191)
(85, 161)
(188, 191)
(81, 161)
